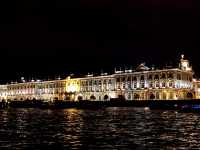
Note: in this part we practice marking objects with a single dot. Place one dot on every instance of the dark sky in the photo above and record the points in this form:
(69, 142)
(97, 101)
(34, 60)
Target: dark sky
(41, 38)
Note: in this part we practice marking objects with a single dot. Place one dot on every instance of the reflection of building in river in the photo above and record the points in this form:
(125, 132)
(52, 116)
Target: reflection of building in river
(143, 83)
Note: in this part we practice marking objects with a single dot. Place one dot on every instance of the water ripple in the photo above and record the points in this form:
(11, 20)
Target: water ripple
(110, 128)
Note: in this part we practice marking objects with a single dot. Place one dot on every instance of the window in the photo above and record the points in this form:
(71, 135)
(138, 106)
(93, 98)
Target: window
(157, 84)
(135, 84)
(110, 82)
(156, 77)
(170, 84)
(129, 86)
(150, 77)
(163, 84)
(170, 75)
(104, 82)
(163, 76)
(150, 84)
(142, 77)
(142, 84)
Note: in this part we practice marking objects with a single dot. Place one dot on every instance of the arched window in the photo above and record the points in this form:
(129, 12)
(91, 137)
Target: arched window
(106, 97)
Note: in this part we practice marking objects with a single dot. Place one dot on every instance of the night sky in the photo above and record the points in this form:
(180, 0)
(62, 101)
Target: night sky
(48, 38)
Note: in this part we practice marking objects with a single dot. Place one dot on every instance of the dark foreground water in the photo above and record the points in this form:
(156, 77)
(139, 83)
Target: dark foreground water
(110, 128)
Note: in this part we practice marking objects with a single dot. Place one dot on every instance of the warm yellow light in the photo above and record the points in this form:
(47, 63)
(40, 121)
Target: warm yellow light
(72, 86)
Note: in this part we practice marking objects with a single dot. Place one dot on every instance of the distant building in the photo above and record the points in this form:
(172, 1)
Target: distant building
(142, 84)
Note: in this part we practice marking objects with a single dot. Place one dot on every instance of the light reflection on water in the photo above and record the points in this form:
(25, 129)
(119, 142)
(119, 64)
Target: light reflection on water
(110, 128)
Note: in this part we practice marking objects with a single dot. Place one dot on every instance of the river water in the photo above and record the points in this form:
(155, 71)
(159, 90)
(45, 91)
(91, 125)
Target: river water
(107, 129)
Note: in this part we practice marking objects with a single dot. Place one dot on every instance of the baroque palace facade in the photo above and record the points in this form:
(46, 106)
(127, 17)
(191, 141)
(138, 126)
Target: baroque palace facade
(142, 84)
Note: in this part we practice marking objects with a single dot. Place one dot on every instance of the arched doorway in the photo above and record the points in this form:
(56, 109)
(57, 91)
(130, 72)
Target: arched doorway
(152, 96)
(106, 97)
(80, 98)
(189, 95)
(92, 97)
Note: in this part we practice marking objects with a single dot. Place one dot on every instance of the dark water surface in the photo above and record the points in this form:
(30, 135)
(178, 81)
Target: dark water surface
(110, 128)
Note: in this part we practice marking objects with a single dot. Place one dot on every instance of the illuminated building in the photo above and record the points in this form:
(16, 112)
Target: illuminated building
(45, 90)
(143, 83)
